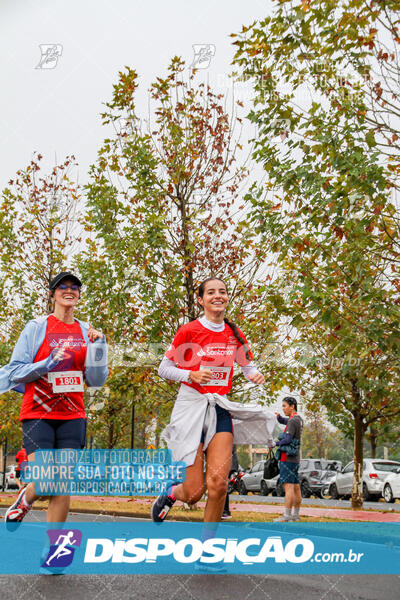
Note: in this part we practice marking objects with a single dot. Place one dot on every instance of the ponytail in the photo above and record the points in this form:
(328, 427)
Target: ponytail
(239, 338)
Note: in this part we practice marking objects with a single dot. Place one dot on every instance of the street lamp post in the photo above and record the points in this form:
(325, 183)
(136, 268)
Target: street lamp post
(4, 464)
(133, 425)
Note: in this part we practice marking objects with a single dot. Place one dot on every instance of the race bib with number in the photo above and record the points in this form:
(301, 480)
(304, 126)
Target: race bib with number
(220, 375)
(66, 381)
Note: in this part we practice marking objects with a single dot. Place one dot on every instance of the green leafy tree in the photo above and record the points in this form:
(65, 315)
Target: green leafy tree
(387, 436)
(326, 81)
(167, 202)
(320, 440)
(39, 232)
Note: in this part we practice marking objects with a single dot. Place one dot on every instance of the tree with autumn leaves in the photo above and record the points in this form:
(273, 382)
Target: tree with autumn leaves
(167, 206)
(171, 199)
(39, 232)
(326, 82)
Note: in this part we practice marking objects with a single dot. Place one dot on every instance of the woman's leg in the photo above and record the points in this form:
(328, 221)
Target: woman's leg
(192, 489)
(38, 434)
(30, 495)
(70, 434)
(58, 509)
(219, 458)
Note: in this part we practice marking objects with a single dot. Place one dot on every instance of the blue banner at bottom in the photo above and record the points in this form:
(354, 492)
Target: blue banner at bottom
(240, 548)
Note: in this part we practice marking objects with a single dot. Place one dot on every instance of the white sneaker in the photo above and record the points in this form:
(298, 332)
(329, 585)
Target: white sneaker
(17, 511)
(283, 519)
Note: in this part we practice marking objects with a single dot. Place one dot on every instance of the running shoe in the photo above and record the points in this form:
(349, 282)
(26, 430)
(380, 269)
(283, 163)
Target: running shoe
(43, 569)
(17, 511)
(296, 518)
(203, 567)
(161, 507)
(48, 571)
(283, 519)
(226, 515)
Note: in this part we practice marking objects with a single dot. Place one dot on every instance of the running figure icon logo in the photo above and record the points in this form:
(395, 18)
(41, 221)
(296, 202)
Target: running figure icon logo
(50, 53)
(63, 543)
(203, 54)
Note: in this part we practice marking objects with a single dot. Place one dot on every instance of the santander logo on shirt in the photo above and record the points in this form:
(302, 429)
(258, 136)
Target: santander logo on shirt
(71, 341)
(214, 350)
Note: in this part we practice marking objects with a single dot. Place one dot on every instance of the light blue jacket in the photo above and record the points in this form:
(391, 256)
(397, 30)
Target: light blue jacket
(21, 368)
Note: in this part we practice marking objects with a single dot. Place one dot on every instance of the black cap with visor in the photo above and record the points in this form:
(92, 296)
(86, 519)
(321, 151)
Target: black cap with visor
(60, 278)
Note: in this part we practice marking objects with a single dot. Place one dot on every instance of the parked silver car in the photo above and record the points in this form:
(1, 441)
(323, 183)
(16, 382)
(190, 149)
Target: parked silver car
(10, 479)
(329, 476)
(314, 475)
(391, 487)
(375, 473)
(311, 473)
(254, 481)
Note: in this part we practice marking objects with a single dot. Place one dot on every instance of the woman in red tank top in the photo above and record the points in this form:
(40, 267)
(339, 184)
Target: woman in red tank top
(52, 411)
(201, 357)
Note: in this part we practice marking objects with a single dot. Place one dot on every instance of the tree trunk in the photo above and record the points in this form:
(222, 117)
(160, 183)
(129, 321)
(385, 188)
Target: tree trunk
(157, 429)
(111, 435)
(357, 491)
(319, 440)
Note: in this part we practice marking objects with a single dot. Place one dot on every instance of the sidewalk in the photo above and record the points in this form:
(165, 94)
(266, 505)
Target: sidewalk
(334, 513)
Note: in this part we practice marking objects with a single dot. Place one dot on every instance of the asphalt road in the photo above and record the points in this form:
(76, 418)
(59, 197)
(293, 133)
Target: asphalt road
(199, 587)
(193, 587)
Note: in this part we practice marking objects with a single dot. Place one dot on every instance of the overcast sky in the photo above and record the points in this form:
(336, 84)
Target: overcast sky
(56, 111)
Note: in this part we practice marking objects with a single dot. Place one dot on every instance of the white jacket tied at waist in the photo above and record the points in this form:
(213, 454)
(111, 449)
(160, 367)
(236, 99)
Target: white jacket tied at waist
(194, 413)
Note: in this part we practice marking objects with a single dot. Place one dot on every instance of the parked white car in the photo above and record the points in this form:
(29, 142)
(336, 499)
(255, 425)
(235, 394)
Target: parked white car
(251, 481)
(10, 478)
(391, 487)
(375, 473)
(254, 481)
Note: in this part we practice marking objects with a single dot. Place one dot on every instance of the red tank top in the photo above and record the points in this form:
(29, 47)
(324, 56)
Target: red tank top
(194, 347)
(39, 399)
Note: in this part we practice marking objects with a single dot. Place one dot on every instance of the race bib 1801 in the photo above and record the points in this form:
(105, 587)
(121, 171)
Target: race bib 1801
(66, 381)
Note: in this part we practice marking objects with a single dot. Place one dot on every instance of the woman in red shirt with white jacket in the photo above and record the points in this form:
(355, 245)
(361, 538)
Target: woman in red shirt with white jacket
(203, 420)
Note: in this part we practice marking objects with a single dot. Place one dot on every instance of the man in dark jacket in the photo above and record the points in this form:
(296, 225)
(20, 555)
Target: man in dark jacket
(289, 463)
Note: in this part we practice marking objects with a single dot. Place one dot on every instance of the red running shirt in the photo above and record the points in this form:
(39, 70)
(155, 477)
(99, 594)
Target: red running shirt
(21, 456)
(39, 399)
(194, 347)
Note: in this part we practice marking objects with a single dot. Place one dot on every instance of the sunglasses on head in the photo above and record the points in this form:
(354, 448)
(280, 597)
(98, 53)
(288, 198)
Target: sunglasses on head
(63, 286)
